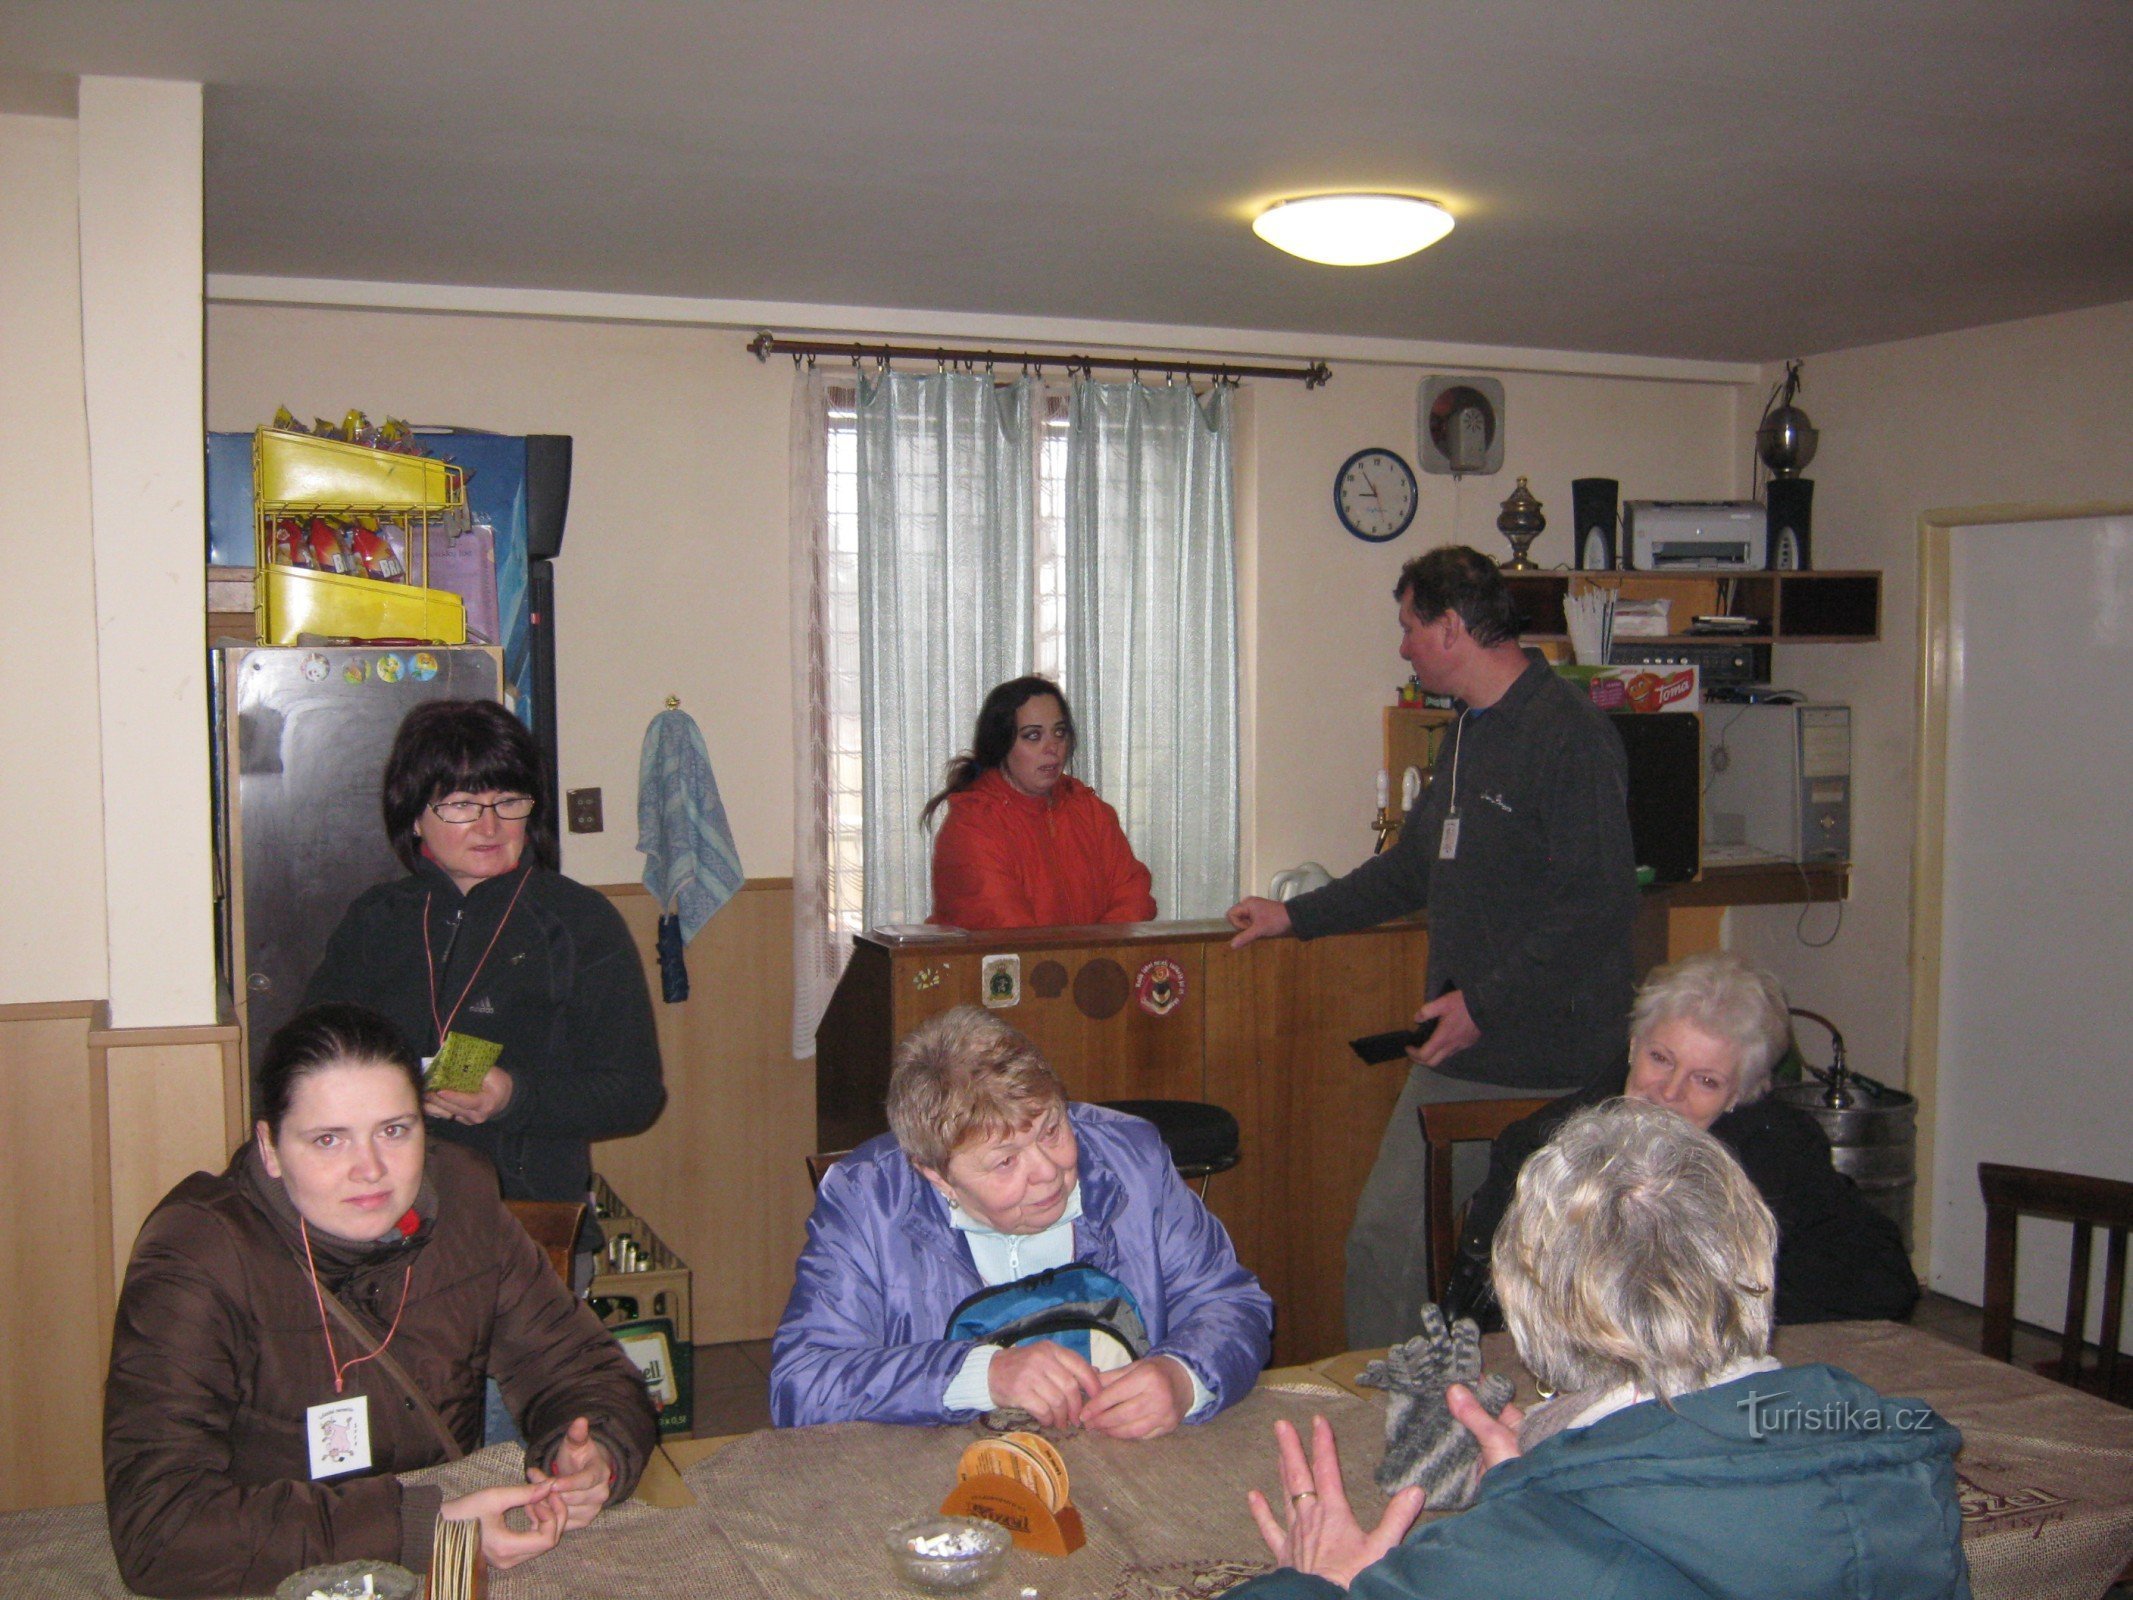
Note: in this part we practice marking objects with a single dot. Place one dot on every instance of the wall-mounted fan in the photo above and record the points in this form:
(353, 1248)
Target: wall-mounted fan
(1459, 426)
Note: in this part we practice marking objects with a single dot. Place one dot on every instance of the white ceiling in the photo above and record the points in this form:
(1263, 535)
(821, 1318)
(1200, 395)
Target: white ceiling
(1731, 179)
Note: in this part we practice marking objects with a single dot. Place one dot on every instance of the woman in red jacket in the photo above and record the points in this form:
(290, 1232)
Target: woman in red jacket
(1025, 845)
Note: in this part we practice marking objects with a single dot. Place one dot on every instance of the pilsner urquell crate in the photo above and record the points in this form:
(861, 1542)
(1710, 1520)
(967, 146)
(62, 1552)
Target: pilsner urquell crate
(639, 1288)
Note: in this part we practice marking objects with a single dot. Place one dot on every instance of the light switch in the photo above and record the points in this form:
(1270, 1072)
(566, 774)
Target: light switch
(584, 809)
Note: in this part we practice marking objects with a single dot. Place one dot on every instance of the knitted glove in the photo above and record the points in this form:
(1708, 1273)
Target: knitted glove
(1424, 1443)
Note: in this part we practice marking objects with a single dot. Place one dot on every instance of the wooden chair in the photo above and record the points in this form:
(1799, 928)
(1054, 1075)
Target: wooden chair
(554, 1226)
(2088, 1203)
(820, 1162)
(1445, 1124)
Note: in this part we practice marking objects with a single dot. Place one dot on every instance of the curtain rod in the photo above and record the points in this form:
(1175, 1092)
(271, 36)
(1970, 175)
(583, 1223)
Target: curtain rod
(767, 344)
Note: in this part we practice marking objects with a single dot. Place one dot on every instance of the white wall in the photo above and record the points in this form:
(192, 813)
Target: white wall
(51, 777)
(139, 148)
(673, 576)
(2038, 410)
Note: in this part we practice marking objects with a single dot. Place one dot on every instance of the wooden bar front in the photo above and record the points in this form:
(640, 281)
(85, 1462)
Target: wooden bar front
(1262, 1032)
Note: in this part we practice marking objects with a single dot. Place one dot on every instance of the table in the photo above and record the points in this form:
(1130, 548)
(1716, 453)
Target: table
(2047, 1487)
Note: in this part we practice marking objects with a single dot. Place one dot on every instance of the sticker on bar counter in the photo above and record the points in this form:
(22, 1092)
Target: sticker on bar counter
(1159, 986)
(1002, 981)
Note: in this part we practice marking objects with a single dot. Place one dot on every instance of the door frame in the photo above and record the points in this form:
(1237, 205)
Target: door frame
(1929, 812)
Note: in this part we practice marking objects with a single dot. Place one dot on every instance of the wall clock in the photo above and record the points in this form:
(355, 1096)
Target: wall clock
(1374, 495)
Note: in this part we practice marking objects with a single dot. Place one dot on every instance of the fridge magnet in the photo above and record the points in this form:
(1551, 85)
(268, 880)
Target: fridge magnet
(422, 666)
(1002, 981)
(1159, 986)
(315, 667)
(357, 671)
(926, 978)
(391, 669)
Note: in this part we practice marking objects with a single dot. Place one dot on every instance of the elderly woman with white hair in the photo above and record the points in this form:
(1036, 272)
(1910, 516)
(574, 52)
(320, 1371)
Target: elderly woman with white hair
(990, 1179)
(1704, 1036)
(1677, 1459)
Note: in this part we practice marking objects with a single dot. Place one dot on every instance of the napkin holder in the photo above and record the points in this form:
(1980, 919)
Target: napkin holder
(1015, 1507)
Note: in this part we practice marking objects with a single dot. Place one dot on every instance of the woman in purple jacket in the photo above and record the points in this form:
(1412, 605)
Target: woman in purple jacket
(988, 1176)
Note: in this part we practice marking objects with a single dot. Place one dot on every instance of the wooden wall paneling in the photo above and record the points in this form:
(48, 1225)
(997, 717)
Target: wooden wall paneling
(55, 1278)
(1312, 999)
(170, 1094)
(721, 1176)
(1651, 936)
(1250, 1197)
(1131, 1054)
(1691, 930)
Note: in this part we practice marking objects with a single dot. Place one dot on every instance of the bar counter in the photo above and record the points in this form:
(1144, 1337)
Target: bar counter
(1167, 1011)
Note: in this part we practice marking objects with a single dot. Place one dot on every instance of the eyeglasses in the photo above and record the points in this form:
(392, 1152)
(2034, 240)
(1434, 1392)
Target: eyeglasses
(510, 808)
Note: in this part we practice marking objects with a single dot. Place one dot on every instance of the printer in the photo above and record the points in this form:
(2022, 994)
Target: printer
(1695, 535)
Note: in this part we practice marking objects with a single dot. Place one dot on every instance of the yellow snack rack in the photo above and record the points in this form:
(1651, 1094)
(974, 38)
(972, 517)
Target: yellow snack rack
(300, 475)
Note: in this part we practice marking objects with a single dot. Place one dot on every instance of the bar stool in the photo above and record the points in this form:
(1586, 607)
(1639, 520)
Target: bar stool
(1202, 1139)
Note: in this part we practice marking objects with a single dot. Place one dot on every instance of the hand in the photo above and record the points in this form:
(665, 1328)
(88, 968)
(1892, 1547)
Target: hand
(1047, 1380)
(1322, 1537)
(486, 1102)
(1256, 917)
(1143, 1401)
(581, 1472)
(1497, 1435)
(502, 1546)
(1455, 1030)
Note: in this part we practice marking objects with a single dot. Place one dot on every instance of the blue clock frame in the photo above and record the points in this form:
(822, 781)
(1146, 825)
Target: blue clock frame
(1407, 474)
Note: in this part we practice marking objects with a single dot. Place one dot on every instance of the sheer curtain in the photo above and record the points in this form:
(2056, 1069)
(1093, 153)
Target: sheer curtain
(947, 509)
(1150, 652)
(949, 532)
(825, 674)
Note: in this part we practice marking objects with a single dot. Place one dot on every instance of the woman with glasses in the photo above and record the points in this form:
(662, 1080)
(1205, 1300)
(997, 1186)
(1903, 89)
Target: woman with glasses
(520, 989)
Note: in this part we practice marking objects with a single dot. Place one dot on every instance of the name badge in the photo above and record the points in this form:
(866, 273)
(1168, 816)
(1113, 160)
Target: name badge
(338, 1435)
(1448, 840)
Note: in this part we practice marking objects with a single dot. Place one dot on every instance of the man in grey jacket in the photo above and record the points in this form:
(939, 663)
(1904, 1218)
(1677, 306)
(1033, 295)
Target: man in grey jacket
(1520, 849)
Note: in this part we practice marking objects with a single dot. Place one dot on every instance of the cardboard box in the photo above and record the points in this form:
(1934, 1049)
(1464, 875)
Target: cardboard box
(1675, 687)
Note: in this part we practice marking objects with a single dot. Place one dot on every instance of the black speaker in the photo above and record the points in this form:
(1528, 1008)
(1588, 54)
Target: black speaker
(1665, 750)
(547, 493)
(1790, 502)
(540, 610)
(1592, 507)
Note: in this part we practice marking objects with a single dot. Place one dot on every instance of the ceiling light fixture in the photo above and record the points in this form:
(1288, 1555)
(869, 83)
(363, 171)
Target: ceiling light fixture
(1353, 230)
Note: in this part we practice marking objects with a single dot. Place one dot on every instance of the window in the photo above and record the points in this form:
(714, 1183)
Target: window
(841, 733)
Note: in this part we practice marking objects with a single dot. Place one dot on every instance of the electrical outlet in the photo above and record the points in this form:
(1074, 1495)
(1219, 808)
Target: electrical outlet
(584, 809)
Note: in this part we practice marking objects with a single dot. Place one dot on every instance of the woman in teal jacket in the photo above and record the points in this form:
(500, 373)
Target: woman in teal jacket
(1677, 1459)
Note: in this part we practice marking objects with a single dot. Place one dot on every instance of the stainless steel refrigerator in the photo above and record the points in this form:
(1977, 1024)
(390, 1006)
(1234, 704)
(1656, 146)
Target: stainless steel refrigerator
(302, 734)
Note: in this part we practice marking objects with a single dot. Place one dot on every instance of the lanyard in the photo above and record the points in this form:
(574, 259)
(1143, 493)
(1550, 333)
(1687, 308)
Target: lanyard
(1451, 808)
(341, 1368)
(444, 1025)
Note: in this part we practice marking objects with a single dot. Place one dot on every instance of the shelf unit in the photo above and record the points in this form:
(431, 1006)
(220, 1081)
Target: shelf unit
(1788, 607)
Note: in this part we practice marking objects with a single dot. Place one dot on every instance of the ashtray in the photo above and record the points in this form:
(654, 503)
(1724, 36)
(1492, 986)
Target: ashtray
(346, 1580)
(941, 1555)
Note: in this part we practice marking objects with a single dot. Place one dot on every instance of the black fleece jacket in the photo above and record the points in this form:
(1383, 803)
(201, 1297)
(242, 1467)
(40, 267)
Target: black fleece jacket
(563, 992)
(1532, 918)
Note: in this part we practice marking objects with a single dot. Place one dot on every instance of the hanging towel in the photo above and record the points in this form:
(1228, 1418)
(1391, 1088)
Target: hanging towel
(690, 864)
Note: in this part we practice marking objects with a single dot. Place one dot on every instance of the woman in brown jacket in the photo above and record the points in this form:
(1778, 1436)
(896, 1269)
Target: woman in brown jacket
(321, 1316)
